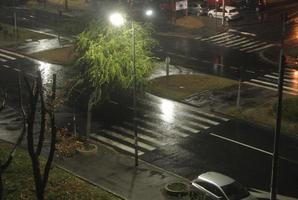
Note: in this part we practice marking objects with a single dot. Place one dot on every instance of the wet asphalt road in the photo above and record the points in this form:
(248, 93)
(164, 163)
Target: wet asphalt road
(219, 148)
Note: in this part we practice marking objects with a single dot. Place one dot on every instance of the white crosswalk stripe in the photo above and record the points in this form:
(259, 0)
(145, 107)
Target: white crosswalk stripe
(154, 130)
(239, 41)
(270, 82)
(7, 56)
(11, 53)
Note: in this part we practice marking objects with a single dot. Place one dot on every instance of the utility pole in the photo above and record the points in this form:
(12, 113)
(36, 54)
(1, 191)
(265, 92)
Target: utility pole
(15, 20)
(223, 12)
(134, 94)
(274, 170)
(239, 87)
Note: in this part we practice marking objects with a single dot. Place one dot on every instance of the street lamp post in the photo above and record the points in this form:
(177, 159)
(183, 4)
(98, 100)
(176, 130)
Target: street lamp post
(118, 20)
(223, 12)
(134, 94)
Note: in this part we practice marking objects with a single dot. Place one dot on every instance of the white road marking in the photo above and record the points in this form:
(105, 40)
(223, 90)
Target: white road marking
(269, 88)
(253, 46)
(16, 69)
(115, 144)
(244, 33)
(200, 118)
(276, 77)
(234, 41)
(6, 66)
(171, 130)
(238, 43)
(142, 136)
(285, 75)
(242, 144)
(188, 128)
(227, 40)
(252, 72)
(127, 139)
(3, 60)
(198, 125)
(263, 47)
(6, 56)
(215, 36)
(12, 53)
(210, 115)
(273, 84)
(248, 44)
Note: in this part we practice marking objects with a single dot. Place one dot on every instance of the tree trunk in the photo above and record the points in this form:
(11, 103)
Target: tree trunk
(1, 186)
(66, 4)
(89, 118)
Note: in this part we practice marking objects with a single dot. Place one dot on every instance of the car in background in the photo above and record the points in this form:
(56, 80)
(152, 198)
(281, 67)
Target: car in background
(197, 8)
(231, 13)
(217, 186)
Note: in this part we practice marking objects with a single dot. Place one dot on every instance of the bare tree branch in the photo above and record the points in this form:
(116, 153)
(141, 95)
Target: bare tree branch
(53, 133)
(42, 115)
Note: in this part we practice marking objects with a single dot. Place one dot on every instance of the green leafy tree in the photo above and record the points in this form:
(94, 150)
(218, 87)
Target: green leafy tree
(105, 63)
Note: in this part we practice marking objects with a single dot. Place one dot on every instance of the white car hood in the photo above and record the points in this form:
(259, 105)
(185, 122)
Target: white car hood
(250, 197)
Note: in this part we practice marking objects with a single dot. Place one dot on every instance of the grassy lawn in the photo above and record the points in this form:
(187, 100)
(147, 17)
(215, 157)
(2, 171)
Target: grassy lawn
(178, 87)
(264, 114)
(18, 181)
(7, 35)
(62, 56)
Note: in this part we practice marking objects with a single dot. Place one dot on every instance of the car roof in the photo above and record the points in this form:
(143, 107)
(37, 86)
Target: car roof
(216, 178)
(229, 7)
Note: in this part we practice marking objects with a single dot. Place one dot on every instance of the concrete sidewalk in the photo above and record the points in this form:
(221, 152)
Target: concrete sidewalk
(116, 173)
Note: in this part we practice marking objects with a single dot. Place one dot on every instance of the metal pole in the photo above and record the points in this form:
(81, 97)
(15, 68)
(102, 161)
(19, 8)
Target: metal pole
(134, 94)
(15, 19)
(239, 87)
(274, 170)
(223, 12)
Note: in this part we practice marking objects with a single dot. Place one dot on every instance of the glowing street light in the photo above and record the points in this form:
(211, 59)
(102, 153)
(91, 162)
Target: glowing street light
(117, 19)
(149, 12)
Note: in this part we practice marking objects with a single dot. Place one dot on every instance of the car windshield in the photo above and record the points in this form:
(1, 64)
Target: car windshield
(233, 10)
(235, 191)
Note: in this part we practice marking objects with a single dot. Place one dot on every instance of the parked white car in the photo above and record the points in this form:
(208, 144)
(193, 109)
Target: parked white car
(216, 186)
(231, 13)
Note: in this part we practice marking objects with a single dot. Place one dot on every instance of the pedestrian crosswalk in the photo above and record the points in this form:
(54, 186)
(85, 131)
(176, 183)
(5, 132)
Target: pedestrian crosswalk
(6, 56)
(160, 122)
(270, 81)
(238, 41)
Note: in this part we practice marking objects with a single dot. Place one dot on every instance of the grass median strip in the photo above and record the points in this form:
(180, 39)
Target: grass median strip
(19, 183)
(179, 87)
(8, 37)
(62, 56)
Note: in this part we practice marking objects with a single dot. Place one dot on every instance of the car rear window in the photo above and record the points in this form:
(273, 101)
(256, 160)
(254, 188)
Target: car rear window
(235, 191)
(233, 10)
